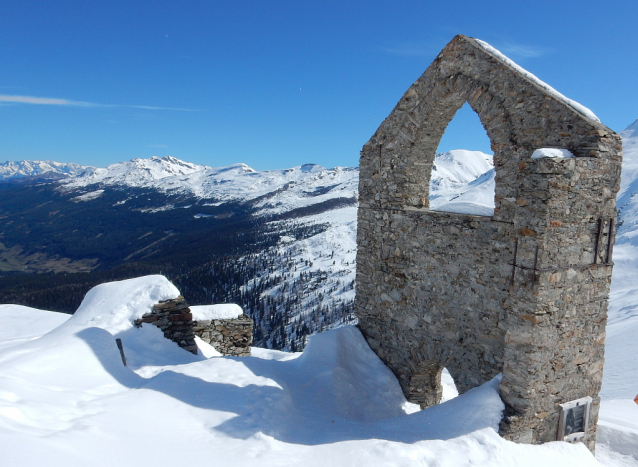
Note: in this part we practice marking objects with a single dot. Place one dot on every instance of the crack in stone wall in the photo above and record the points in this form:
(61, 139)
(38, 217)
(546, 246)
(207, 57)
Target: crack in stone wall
(523, 293)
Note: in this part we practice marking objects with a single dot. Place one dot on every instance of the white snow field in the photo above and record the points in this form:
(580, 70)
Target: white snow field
(66, 399)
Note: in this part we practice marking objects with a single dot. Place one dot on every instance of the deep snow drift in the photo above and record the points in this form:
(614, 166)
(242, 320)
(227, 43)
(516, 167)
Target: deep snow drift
(66, 399)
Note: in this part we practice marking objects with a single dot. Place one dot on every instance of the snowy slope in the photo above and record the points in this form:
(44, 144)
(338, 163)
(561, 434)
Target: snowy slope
(67, 400)
(463, 182)
(19, 169)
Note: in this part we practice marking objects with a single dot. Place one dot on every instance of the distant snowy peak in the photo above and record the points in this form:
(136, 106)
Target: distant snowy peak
(137, 172)
(237, 169)
(630, 131)
(20, 169)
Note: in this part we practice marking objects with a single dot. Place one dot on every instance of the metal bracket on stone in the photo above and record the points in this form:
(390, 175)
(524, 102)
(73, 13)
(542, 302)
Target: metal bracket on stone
(597, 244)
(535, 264)
(514, 262)
(610, 243)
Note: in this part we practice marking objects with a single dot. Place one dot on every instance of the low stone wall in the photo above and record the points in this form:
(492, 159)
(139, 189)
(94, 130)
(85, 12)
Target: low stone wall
(230, 337)
(174, 318)
(227, 336)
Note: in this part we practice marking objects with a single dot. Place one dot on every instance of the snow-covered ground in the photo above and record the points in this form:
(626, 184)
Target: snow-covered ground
(66, 399)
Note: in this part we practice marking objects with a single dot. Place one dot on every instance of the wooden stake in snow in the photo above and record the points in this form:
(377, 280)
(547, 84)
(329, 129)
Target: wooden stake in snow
(118, 341)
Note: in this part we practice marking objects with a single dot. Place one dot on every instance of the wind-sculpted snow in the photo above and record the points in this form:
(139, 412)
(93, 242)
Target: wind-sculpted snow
(66, 399)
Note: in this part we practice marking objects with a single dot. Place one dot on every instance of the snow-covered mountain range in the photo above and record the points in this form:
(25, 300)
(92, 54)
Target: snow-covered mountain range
(277, 190)
(302, 219)
(19, 169)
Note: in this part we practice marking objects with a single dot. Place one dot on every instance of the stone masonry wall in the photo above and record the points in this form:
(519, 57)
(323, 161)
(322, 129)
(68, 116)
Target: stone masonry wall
(174, 318)
(523, 292)
(230, 337)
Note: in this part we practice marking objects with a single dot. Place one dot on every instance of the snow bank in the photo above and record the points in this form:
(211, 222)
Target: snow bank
(551, 153)
(618, 429)
(221, 311)
(19, 324)
(68, 397)
(115, 305)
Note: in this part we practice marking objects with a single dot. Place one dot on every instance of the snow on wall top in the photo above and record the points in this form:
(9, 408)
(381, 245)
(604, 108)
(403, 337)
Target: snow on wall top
(552, 153)
(581, 109)
(115, 305)
(221, 311)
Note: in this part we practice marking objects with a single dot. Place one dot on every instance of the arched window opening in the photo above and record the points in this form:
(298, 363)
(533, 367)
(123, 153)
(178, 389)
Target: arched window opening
(462, 178)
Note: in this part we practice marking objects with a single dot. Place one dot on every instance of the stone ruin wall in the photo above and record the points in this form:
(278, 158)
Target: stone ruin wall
(523, 292)
(230, 337)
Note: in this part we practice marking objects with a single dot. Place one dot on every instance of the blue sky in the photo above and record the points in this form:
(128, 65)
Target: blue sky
(276, 83)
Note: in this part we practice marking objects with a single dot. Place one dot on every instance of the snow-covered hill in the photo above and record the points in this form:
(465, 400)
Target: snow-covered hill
(463, 182)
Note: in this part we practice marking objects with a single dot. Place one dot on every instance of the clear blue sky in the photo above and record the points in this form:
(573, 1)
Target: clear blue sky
(276, 83)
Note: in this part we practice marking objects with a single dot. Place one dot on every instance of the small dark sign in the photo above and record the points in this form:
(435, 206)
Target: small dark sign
(574, 419)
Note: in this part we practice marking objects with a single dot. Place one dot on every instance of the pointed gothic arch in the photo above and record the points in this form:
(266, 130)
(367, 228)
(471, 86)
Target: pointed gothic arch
(524, 292)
